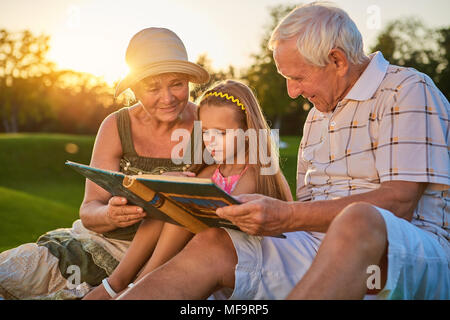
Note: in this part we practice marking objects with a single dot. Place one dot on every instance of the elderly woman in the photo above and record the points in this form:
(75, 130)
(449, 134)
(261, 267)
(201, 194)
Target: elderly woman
(65, 263)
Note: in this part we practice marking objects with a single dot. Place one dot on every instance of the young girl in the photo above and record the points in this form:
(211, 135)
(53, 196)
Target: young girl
(228, 106)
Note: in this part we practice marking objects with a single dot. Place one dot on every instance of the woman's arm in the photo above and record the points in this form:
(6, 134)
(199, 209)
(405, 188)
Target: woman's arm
(100, 212)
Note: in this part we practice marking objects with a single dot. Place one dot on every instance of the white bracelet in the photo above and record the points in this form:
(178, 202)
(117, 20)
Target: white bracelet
(131, 285)
(108, 288)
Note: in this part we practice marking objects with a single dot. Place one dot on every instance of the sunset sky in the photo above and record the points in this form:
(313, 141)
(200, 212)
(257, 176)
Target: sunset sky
(92, 35)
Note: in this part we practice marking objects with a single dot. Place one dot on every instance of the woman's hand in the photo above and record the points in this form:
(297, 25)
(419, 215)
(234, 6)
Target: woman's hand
(122, 215)
(259, 215)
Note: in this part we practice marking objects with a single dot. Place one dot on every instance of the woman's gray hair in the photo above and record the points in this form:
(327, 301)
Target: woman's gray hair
(320, 27)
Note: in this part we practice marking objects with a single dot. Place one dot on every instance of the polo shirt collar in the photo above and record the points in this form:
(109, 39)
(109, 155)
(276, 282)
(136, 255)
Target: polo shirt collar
(370, 79)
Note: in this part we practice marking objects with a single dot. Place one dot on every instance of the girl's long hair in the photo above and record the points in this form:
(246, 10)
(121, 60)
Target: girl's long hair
(271, 185)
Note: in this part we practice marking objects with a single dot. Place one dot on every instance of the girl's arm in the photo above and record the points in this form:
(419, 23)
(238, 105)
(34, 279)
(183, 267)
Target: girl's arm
(286, 187)
(246, 184)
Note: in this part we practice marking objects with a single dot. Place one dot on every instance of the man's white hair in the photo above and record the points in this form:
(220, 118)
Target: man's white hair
(320, 27)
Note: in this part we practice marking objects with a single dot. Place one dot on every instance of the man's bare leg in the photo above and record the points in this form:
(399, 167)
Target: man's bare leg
(205, 265)
(356, 239)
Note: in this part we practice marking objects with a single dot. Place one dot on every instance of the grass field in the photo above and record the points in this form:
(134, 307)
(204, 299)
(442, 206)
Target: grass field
(38, 193)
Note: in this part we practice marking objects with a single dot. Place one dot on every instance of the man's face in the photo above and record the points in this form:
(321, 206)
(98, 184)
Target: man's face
(317, 84)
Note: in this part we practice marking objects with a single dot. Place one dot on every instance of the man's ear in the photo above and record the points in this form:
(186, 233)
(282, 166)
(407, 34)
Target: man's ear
(339, 60)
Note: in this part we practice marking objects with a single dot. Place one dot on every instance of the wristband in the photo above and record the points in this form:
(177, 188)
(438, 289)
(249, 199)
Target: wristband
(108, 288)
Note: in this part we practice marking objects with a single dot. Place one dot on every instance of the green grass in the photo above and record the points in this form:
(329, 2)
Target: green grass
(288, 160)
(25, 217)
(38, 193)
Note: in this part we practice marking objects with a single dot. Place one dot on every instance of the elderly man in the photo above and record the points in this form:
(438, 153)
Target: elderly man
(373, 185)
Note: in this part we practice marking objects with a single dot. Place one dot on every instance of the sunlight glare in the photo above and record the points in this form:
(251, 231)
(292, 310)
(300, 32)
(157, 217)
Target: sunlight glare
(78, 52)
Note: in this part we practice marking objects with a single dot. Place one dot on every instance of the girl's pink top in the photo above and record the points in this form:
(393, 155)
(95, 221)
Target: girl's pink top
(228, 184)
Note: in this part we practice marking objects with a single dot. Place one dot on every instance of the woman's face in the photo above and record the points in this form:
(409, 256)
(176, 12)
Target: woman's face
(164, 96)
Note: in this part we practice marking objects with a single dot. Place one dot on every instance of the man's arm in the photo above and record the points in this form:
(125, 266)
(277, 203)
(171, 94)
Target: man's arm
(262, 215)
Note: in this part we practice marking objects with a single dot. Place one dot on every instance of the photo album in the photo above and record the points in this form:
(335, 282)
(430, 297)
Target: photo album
(185, 201)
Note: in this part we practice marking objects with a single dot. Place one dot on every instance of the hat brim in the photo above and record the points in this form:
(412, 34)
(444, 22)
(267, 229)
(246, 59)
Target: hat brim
(196, 73)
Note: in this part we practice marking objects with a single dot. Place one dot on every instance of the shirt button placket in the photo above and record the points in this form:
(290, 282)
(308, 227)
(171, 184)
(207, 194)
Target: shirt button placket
(331, 128)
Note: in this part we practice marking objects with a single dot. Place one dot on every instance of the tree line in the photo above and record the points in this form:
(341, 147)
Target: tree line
(36, 97)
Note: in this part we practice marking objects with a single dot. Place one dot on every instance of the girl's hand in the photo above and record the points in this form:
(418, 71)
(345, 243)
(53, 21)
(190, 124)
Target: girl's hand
(179, 174)
(122, 215)
(258, 215)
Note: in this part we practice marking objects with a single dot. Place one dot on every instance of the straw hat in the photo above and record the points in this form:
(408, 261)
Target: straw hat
(153, 51)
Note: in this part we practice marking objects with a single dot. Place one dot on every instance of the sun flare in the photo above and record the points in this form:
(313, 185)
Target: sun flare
(83, 54)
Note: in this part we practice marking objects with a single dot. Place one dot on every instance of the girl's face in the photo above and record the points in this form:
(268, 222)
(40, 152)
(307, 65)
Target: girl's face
(215, 122)
(164, 96)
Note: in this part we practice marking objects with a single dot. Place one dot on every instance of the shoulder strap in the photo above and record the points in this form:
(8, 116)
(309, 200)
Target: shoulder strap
(243, 171)
(124, 127)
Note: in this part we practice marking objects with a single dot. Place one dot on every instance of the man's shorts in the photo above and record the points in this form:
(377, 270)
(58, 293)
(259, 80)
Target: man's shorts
(418, 264)
(269, 268)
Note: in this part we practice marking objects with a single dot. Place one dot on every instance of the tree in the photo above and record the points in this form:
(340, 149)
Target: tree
(215, 76)
(443, 73)
(76, 93)
(270, 87)
(22, 67)
(34, 96)
(408, 42)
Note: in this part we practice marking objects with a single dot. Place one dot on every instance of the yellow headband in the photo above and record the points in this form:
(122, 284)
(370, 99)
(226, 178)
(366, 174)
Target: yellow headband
(226, 96)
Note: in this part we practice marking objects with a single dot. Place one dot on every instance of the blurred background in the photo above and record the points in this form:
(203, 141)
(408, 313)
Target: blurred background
(61, 59)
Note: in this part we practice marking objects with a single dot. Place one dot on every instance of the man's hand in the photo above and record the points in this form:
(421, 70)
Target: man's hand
(259, 215)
